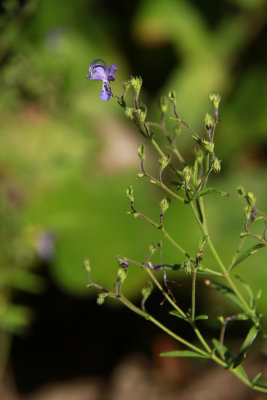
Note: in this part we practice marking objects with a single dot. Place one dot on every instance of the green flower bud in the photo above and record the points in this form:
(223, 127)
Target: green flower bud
(241, 191)
(216, 166)
(164, 161)
(251, 199)
(129, 112)
(163, 104)
(209, 123)
(215, 99)
(87, 265)
(187, 173)
(172, 96)
(142, 111)
(101, 299)
(177, 129)
(146, 291)
(164, 205)
(136, 82)
(126, 85)
(208, 146)
(141, 151)
(129, 194)
(188, 267)
(121, 274)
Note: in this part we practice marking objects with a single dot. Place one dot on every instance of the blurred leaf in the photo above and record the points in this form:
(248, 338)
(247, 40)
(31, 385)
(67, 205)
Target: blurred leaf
(15, 318)
(209, 191)
(183, 353)
(201, 317)
(176, 314)
(251, 336)
(228, 292)
(247, 253)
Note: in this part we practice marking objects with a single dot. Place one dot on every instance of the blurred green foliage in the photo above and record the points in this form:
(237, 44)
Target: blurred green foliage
(55, 130)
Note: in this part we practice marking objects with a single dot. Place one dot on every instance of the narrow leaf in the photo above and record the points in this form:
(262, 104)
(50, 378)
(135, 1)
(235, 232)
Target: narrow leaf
(251, 336)
(177, 314)
(256, 378)
(243, 373)
(227, 292)
(248, 290)
(247, 253)
(183, 353)
(209, 191)
(199, 317)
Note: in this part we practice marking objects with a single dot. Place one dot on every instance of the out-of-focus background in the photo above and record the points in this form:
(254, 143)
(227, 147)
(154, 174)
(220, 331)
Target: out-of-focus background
(66, 158)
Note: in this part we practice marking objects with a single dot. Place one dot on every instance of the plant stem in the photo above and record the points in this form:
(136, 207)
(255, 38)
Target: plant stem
(150, 318)
(193, 306)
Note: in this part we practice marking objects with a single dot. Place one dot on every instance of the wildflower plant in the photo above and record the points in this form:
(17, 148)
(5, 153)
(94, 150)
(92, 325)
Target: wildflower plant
(189, 190)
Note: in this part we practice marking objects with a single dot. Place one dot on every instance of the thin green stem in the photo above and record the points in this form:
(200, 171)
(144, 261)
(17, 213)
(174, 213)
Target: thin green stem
(175, 244)
(165, 294)
(193, 299)
(203, 227)
(150, 318)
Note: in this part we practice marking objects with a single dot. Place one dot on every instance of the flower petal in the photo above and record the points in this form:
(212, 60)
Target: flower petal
(106, 92)
(97, 73)
(111, 71)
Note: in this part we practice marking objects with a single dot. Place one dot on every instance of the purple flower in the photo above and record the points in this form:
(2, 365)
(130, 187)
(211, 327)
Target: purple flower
(98, 71)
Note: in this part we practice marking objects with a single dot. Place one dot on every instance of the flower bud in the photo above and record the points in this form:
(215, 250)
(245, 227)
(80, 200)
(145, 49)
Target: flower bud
(126, 85)
(209, 123)
(187, 173)
(121, 274)
(87, 265)
(163, 104)
(164, 205)
(101, 299)
(208, 146)
(129, 112)
(241, 191)
(251, 199)
(146, 291)
(122, 262)
(142, 111)
(141, 152)
(172, 96)
(216, 166)
(136, 83)
(187, 267)
(164, 161)
(129, 194)
(177, 129)
(215, 99)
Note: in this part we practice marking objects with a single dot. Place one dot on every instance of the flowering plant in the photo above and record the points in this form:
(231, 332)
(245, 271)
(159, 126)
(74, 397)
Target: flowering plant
(189, 189)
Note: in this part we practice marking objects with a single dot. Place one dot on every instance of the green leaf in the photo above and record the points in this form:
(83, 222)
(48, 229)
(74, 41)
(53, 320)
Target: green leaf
(177, 314)
(227, 292)
(247, 253)
(209, 191)
(183, 353)
(256, 378)
(251, 336)
(200, 317)
(243, 373)
(252, 301)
